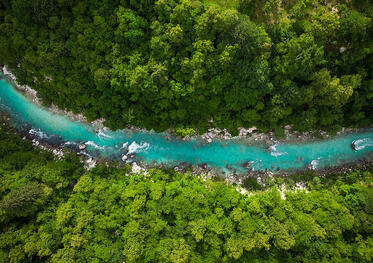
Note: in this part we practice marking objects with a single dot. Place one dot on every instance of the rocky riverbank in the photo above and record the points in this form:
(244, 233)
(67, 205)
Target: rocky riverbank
(247, 135)
(203, 171)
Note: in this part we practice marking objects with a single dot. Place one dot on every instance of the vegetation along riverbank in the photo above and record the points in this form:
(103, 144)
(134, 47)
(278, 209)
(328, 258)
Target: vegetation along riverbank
(257, 72)
(53, 210)
(232, 158)
(250, 136)
(194, 65)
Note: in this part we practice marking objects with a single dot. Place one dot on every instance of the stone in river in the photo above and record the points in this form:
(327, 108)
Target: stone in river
(132, 155)
(247, 165)
(124, 158)
(353, 145)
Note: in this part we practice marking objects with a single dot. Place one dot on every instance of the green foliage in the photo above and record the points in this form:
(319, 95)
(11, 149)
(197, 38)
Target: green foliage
(21, 201)
(165, 64)
(252, 184)
(182, 132)
(354, 25)
(53, 211)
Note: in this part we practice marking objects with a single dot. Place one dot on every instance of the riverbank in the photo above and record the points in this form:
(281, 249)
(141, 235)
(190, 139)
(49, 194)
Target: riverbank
(248, 136)
(242, 181)
(203, 171)
(226, 158)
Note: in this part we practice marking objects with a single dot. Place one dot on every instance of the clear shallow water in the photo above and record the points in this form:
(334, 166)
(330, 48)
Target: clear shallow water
(153, 147)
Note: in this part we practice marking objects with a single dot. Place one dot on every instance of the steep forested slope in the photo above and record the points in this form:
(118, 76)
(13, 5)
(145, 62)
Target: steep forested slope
(177, 63)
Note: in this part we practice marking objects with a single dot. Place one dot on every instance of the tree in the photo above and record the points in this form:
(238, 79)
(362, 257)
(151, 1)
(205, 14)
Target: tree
(252, 39)
(298, 57)
(354, 25)
(23, 201)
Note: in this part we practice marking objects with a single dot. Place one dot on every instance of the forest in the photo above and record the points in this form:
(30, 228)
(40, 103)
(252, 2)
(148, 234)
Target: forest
(186, 65)
(180, 63)
(54, 210)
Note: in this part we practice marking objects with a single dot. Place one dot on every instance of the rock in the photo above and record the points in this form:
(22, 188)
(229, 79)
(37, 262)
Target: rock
(245, 132)
(209, 140)
(136, 168)
(353, 146)
(204, 165)
(90, 163)
(82, 146)
(124, 158)
(313, 165)
(227, 135)
(247, 165)
(342, 49)
(132, 155)
(250, 130)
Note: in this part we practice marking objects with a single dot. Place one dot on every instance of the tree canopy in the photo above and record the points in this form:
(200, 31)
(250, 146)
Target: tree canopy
(53, 210)
(177, 64)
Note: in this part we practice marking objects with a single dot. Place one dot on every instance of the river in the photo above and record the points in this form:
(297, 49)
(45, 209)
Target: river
(151, 147)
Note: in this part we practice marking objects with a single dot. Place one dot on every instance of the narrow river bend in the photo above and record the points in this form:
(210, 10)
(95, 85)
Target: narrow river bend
(151, 147)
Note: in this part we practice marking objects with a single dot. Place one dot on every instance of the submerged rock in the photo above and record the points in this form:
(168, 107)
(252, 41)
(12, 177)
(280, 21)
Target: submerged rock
(314, 164)
(353, 145)
(124, 158)
(247, 165)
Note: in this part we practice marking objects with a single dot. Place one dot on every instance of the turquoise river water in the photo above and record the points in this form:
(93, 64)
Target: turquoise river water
(151, 147)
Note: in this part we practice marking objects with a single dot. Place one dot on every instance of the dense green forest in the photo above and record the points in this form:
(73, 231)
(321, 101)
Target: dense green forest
(178, 63)
(53, 210)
